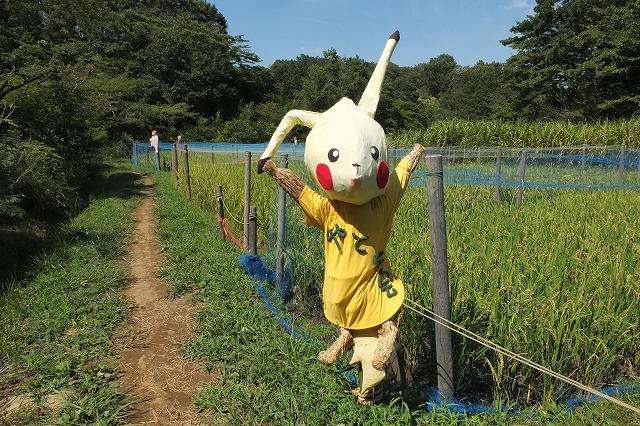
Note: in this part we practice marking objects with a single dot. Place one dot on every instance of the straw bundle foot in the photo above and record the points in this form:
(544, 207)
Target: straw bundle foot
(342, 343)
(386, 339)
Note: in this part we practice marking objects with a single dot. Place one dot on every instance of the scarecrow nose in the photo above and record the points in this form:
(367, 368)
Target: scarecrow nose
(357, 166)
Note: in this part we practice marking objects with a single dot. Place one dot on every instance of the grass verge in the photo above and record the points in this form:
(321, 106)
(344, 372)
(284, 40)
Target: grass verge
(56, 352)
(266, 375)
(57, 325)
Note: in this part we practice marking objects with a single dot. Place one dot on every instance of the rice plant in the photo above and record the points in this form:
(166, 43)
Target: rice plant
(554, 279)
(457, 132)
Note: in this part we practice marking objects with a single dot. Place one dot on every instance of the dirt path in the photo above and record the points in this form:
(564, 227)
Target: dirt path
(153, 366)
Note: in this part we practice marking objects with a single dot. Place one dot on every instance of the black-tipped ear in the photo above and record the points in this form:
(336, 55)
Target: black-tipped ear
(261, 164)
(396, 36)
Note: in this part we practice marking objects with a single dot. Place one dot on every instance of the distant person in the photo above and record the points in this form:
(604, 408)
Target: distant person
(153, 140)
(179, 141)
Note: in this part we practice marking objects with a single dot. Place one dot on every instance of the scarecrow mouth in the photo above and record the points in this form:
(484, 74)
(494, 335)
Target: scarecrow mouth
(356, 183)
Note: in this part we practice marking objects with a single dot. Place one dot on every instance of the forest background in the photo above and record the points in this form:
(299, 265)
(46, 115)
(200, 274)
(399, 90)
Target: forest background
(79, 80)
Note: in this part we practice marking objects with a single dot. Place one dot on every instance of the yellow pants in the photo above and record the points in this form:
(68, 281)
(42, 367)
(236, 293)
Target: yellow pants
(364, 344)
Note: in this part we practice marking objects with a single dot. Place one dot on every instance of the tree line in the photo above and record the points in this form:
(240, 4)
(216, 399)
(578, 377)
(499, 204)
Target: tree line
(81, 79)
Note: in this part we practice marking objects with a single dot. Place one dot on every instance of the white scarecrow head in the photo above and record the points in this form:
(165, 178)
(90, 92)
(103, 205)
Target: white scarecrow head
(346, 150)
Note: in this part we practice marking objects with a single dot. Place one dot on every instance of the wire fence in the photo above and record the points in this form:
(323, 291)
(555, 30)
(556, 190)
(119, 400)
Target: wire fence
(581, 167)
(584, 167)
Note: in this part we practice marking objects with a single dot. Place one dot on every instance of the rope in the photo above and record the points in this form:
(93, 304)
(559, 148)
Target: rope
(229, 212)
(227, 229)
(421, 310)
(228, 233)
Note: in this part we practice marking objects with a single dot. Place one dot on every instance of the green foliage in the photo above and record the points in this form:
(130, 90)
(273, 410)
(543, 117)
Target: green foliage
(57, 323)
(248, 127)
(331, 79)
(548, 279)
(540, 280)
(457, 132)
(31, 180)
(78, 80)
(412, 97)
(577, 59)
(477, 92)
(288, 76)
(436, 75)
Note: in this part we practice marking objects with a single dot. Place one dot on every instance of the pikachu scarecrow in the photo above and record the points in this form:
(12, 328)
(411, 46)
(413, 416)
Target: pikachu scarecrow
(346, 155)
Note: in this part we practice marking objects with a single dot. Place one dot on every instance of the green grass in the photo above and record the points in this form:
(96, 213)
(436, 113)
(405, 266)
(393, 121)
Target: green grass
(266, 375)
(56, 327)
(553, 279)
(58, 321)
(457, 132)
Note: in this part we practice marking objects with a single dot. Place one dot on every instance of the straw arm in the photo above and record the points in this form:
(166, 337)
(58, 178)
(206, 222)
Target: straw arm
(414, 156)
(288, 180)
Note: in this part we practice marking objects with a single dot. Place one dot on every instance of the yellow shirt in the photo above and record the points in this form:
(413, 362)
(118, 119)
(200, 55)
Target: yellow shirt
(359, 290)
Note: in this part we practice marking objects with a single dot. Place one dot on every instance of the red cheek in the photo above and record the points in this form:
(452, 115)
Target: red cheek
(324, 176)
(382, 175)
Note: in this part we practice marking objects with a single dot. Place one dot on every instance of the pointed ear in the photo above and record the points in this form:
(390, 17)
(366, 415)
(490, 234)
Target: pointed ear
(369, 100)
(291, 119)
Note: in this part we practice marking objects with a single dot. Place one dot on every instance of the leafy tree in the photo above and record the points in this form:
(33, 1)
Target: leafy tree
(435, 76)
(333, 78)
(287, 77)
(32, 181)
(77, 78)
(320, 87)
(577, 59)
(246, 128)
(477, 92)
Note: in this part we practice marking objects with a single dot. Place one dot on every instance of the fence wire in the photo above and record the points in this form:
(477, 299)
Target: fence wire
(581, 167)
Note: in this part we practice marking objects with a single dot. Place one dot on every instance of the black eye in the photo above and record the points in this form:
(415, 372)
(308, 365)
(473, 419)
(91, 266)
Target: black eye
(333, 155)
(375, 154)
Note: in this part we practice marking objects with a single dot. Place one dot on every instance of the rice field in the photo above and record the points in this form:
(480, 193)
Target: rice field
(522, 134)
(554, 278)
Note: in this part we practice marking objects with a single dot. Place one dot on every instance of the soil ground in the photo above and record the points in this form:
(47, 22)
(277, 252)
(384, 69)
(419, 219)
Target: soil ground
(154, 368)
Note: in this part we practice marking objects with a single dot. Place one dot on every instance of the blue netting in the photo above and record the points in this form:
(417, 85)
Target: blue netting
(596, 168)
(259, 272)
(433, 400)
(573, 403)
(587, 167)
(256, 269)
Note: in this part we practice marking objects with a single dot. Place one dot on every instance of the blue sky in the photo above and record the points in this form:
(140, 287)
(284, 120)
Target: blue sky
(468, 30)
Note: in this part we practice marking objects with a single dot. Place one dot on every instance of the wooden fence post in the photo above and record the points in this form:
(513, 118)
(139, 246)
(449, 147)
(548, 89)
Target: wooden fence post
(440, 274)
(221, 212)
(253, 230)
(174, 158)
(186, 171)
(282, 223)
(247, 195)
(523, 161)
(496, 190)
